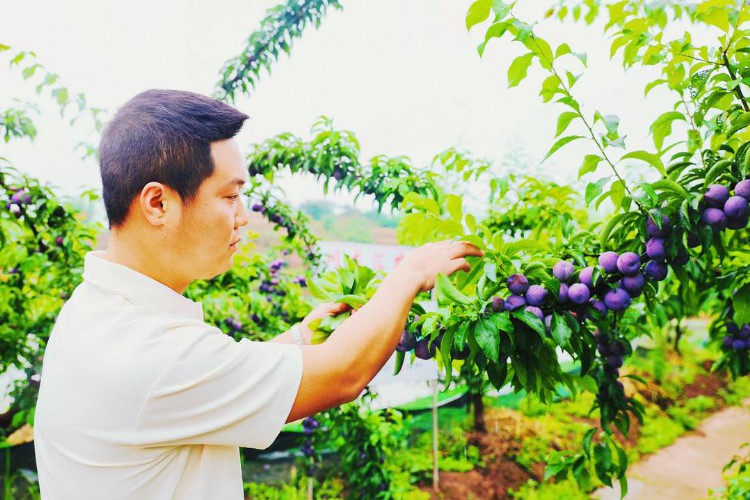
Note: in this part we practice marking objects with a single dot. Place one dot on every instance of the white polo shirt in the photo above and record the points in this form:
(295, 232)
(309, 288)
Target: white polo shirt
(141, 399)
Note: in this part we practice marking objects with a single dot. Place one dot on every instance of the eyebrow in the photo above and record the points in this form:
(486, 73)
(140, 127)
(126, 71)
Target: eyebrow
(236, 182)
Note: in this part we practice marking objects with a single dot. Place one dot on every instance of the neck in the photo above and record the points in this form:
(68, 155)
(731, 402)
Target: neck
(129, 250)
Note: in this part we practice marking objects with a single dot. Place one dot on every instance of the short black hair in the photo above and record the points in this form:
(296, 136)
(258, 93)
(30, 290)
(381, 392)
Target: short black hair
(163, 136)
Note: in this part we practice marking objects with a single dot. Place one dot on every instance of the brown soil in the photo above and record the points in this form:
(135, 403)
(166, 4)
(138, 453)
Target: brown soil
(506, 430)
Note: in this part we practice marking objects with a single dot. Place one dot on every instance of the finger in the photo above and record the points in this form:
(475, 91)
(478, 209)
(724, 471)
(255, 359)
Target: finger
(464, 248)
(458, 264)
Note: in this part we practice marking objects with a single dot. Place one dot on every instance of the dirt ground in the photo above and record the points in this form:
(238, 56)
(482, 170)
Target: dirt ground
(692, 464)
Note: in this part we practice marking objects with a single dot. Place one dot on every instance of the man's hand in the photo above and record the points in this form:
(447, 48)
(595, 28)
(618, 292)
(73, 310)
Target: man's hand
(445, 257)
(327, 309)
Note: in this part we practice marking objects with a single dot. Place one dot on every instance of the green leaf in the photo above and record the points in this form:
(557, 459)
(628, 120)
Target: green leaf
(453, 205)
(399, 362)
(518, 69)
(478, 12)
(741, 304)
(590, 162)
(669, 185)
(531, 320)
(652, 159)
(560, 143)
(486, 335)
(562, 49)
(739, 122)
(495, 30)
(594, 189)
(447, 293)
(662, 126)
(560, 330)
(564, 120)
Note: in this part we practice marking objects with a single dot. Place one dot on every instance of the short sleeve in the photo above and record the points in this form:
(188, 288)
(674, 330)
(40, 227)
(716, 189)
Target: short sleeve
(218, 391)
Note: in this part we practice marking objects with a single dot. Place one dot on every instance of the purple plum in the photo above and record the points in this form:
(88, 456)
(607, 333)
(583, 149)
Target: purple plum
(613, 361)
(424, 349)
(745, 332)
(579, 293)
(655, 249)
(608, 261)
(586, 276)
(535, 311)
(548, 323)
(629, 263)
(617, 347)
(536, 295)
(257, 207)
(408, 341)
(739, 345)
(737, 222)
(518, 284)
(498, 304)
(716, 195)
(743, 189)
(736, 207)
(563, 293)
(681, 258)
(514, 302)
(563, 270)
(728, 340)
(733, 329)
(655, 231)
(617, 300)
(633, 284)
(599, 306)
(715, 218)
(656, 270)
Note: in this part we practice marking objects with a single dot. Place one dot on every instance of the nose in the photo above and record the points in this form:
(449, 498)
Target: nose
(242, 218)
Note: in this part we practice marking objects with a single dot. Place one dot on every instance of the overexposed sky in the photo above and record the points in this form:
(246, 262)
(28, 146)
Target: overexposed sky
(404, 75)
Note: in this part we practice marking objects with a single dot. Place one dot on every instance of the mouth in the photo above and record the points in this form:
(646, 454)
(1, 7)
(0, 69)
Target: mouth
(234, 243)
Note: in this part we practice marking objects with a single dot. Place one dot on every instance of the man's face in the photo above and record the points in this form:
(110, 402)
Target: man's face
(208, 231)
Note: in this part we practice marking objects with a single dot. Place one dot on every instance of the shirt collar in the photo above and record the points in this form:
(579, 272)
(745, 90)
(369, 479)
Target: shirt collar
(136, 286)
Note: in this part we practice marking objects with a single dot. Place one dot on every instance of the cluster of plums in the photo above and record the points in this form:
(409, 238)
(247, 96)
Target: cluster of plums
(722, 211)
(270, 213)
(612, 352)
(17, 200)
(424, 347)
(309, 425)
(737, 338)
(234, 324)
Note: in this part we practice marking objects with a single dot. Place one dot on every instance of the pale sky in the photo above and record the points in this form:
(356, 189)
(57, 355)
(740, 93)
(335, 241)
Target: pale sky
(404, 75)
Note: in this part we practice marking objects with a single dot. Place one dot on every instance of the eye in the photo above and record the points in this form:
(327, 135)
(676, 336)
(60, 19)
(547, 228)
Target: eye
(233, 197)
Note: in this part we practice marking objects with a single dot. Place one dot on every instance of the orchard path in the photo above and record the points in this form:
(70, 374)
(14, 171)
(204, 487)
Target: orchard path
(690, 466)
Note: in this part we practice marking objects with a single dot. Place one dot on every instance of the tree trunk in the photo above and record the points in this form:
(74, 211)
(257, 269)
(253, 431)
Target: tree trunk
(478, 404)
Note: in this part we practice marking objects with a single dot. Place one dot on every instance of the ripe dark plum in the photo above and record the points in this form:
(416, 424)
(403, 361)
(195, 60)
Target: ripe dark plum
(629, 263)
(602, 348)
(586, 276)
(655, 231)
(535, 311)
(617, 347)
(597, 305)
(613, 361)
(563, 270)
(739, 345)
(655, 249)
(608, 261)
(257, 207)
(562, 295)
(579, 293)
(633, 284)
(693, 240)
(716, 195)
(498, 304)
(715, 218)
(514, 302)
(425, 350)
(617, 300)
(548, 323)
(737, 222)
(745, 332)
(736, 207)
(656, 270)
(536, 295)
(407, 342)
(728, 340)
(681, 258)
(462, 353)
(743, 189)
(733, 329)
(518, 284)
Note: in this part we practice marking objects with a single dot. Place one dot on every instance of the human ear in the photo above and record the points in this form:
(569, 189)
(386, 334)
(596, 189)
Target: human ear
(154, 202)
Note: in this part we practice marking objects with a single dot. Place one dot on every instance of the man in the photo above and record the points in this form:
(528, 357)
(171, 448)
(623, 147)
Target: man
(139, 397)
